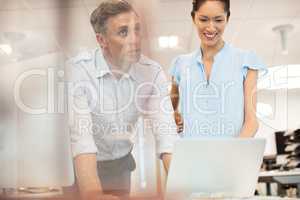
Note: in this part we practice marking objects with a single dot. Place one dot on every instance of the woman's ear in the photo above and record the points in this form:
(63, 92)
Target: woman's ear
(101, 40)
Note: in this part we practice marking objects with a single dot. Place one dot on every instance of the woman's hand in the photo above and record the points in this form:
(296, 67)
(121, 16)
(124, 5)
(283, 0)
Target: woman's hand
(179, 121)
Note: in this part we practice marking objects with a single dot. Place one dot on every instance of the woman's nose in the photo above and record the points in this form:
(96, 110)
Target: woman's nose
(211, 26)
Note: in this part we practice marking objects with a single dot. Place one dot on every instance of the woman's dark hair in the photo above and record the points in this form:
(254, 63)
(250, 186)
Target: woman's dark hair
(198, 3)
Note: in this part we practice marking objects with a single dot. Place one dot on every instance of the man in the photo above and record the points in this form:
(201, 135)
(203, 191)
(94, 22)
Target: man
(110, 88)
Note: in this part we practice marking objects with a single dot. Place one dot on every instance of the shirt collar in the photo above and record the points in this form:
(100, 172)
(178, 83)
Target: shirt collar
(102, 67)
(198, 53)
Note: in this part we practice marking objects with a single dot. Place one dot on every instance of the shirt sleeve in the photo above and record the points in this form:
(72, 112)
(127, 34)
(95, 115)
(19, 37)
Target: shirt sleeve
(160, 115)
(175, 70)
(252, 61)
(79, 117)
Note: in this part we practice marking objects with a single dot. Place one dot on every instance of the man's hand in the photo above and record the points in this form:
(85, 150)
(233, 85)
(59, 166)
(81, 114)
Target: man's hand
(87, 178)
(179, 121)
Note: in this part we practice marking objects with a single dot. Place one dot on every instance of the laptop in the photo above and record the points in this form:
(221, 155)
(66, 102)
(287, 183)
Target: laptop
(214, 167)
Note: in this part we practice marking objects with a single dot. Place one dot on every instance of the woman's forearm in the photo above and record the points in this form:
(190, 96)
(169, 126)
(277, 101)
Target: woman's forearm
(174, 95)
(249, 129)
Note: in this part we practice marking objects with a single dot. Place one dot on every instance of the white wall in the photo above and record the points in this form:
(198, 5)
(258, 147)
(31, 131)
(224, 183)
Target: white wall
(286, 114)
(35, 149)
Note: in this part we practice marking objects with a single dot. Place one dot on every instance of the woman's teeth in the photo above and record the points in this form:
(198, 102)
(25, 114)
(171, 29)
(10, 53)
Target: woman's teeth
(209, 35)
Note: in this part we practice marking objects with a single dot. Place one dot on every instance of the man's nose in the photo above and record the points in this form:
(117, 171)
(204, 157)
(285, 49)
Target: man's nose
(134, 37)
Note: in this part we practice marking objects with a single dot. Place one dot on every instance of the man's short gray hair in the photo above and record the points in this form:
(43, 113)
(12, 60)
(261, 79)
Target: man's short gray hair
(105, 10)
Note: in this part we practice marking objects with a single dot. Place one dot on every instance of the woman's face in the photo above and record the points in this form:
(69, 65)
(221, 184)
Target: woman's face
(210, 20)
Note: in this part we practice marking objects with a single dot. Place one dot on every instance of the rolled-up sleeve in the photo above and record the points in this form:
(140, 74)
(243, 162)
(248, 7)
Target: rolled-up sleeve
(160, 115)
(79, 117)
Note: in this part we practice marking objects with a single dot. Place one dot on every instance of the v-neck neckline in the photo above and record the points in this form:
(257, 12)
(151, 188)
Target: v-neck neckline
(215, 58)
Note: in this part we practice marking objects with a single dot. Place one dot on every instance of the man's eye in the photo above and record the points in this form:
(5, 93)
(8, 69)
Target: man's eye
(219, 20)
(123, 33)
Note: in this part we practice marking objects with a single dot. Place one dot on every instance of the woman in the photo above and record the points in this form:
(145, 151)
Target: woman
(216, 84)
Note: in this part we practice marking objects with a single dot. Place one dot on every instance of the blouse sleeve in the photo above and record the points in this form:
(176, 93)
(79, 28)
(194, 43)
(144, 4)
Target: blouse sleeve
(252, 61)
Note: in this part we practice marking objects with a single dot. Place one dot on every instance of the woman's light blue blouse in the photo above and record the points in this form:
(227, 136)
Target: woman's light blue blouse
(214, 107)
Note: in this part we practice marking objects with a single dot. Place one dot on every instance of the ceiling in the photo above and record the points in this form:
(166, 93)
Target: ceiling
(38, 27)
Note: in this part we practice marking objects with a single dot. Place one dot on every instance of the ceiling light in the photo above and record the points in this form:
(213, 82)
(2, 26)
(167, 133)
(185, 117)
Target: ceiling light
(163, 41)
(6, 49)
(168, 41)
(173, 41)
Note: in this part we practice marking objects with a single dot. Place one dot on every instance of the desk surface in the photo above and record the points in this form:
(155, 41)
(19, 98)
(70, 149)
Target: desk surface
(153, 198)
(264, 198)
(295, 172)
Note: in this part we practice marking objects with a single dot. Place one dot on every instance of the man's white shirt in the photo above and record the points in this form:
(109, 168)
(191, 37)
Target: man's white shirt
(103, 110)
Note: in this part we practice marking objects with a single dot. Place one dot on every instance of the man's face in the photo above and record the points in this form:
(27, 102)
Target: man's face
(122, 40)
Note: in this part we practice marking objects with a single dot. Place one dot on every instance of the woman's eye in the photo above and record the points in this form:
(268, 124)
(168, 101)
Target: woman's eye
(203, 20)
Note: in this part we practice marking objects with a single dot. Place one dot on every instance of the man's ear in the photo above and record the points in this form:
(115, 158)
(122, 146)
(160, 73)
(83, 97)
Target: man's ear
(101, 40)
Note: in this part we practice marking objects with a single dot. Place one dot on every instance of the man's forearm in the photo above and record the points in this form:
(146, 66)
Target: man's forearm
(87, 176)
(166, 158)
